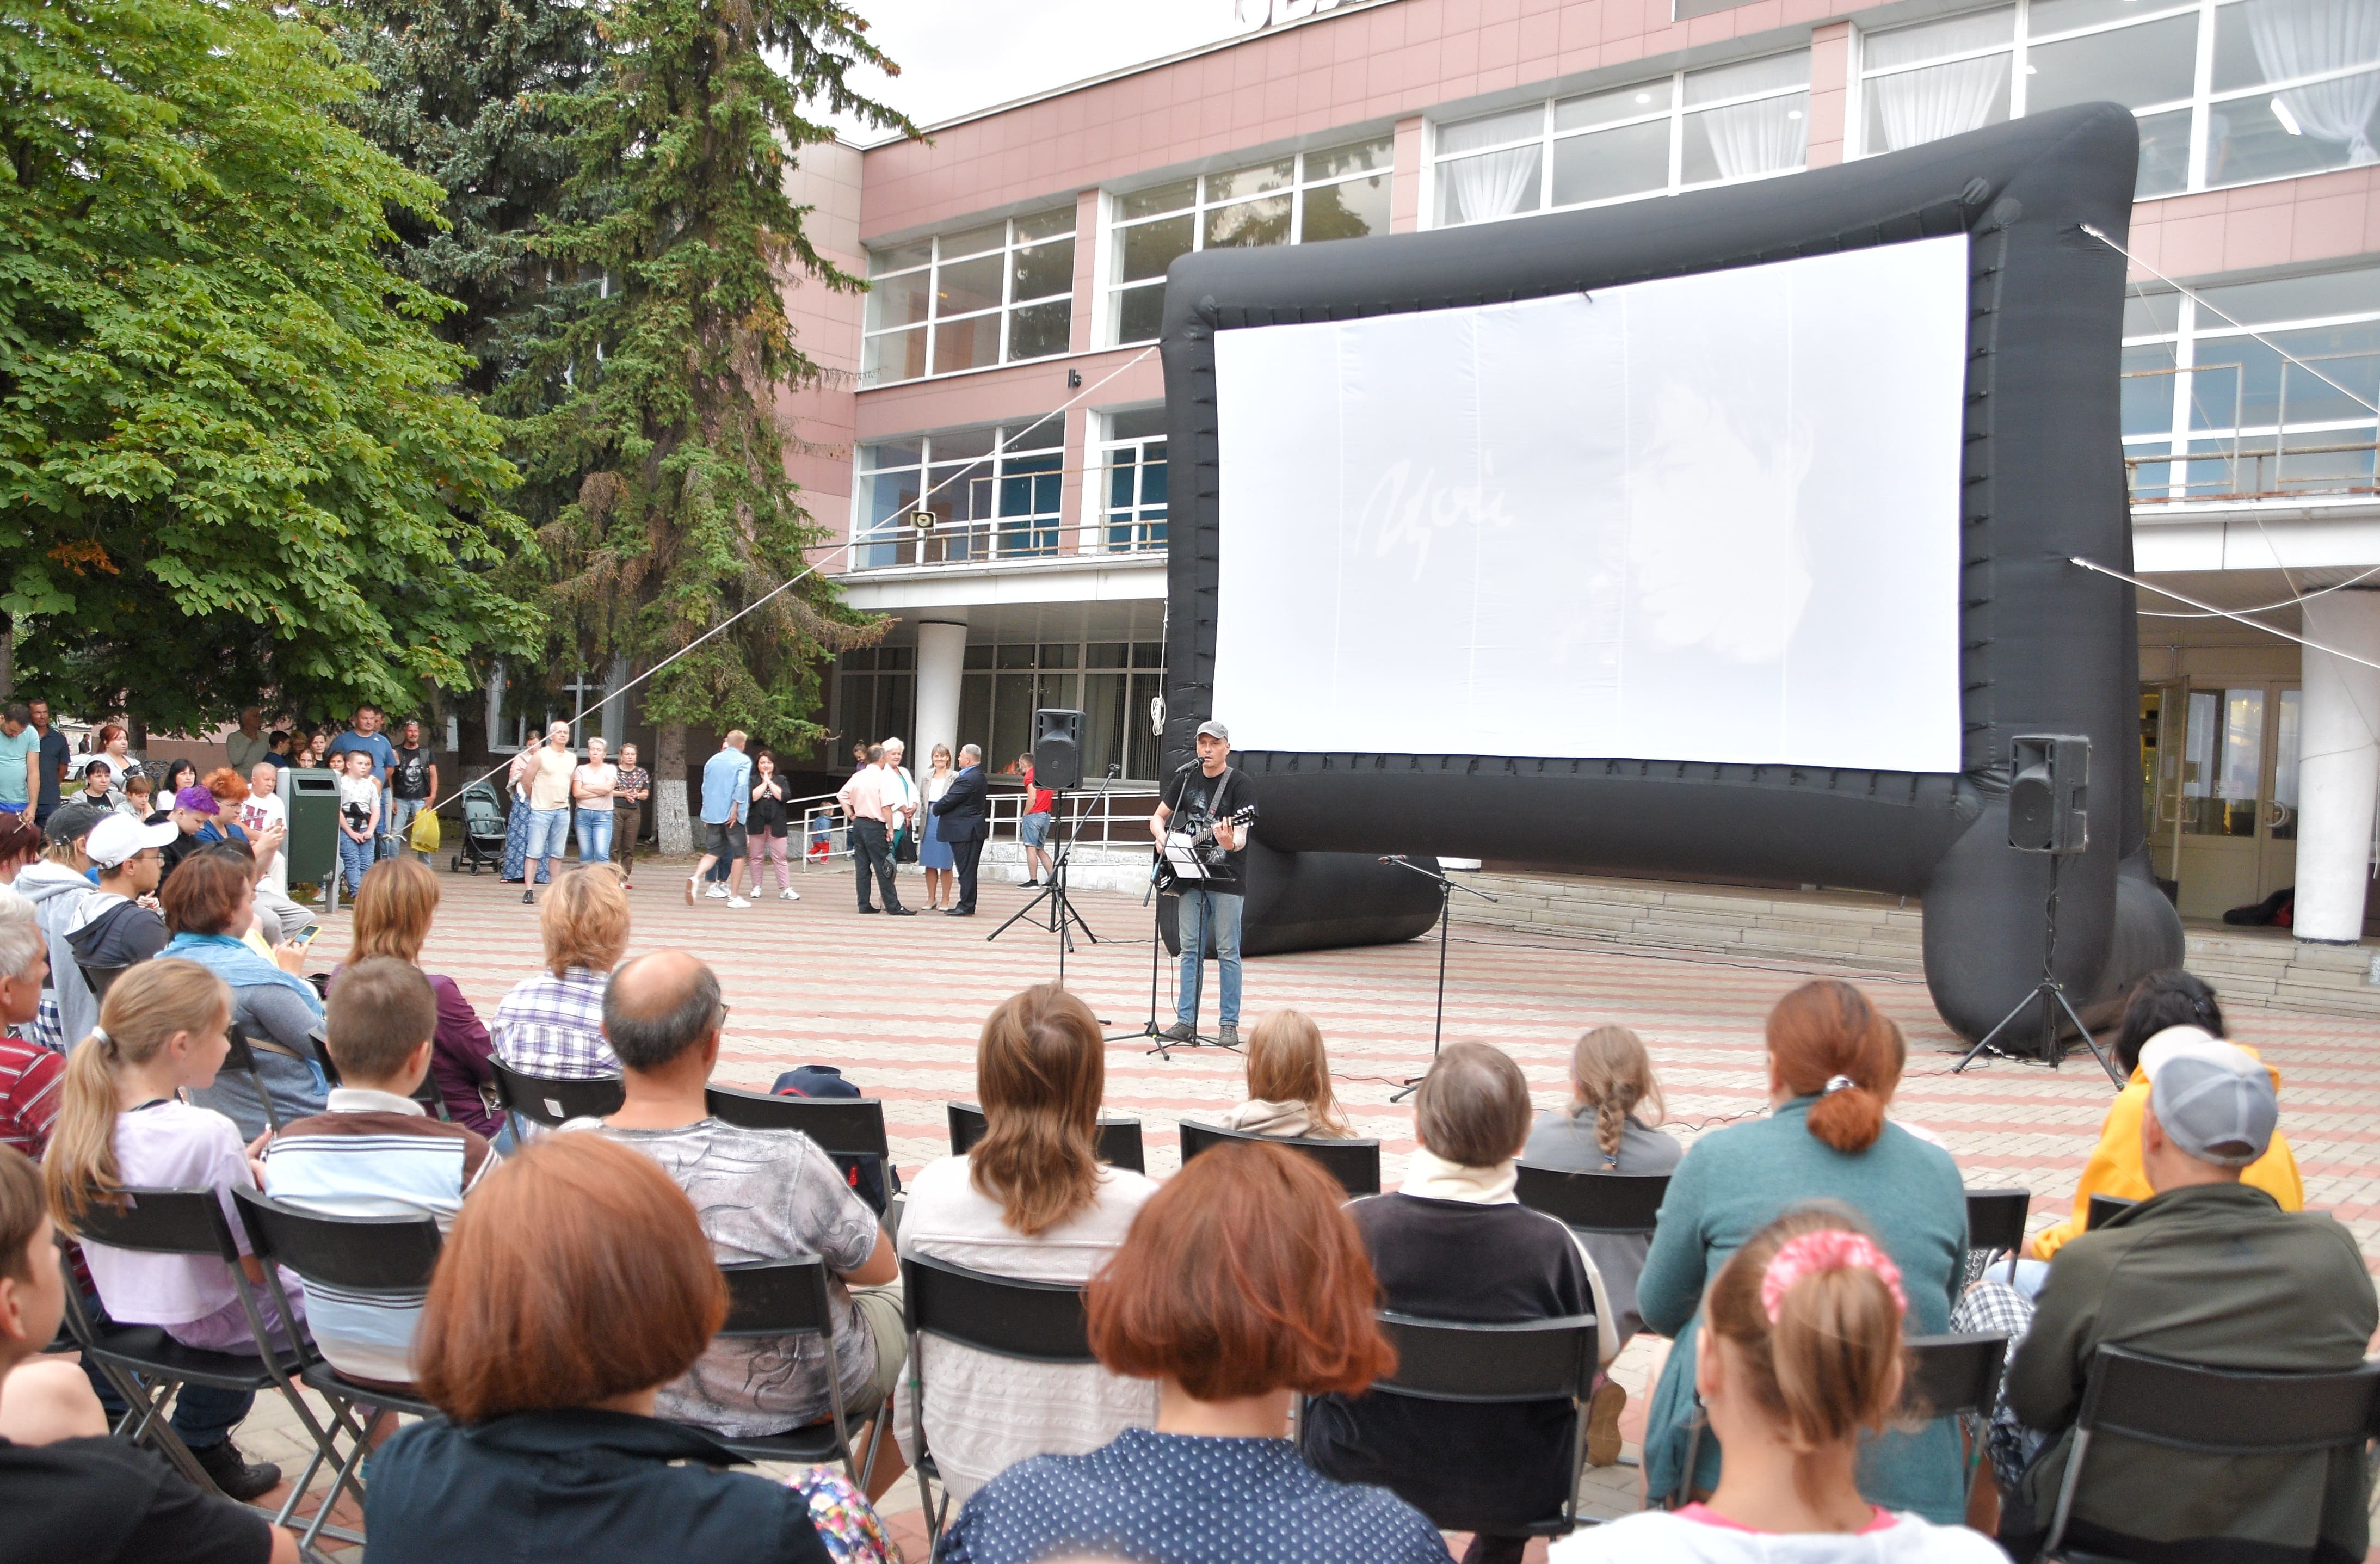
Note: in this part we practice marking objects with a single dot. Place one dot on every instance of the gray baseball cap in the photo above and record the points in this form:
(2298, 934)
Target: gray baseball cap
(73, 820)
(1212, 729)
(2216, 1103)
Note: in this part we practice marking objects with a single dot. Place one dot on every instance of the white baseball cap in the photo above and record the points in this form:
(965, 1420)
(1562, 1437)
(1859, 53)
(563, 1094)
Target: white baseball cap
(115, 838)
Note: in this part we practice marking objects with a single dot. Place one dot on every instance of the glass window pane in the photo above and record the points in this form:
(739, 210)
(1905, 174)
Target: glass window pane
(1139, 313)
(1244, 182)
(1765, 135)
(2147, 395)
(1608, 108)
(1136, 424)
(2281, 40)
(2049, 17)
(1349, 210)
(2131, 65)
(2296, 130)
(1107, 654)
(974, 241)
(1046, 224)
(1040, 330)
(957, 444)
(896, 355)
(1909, 108)
(1362, 156)
(1150, 248)
(1513, 125)
(1171, 197)
(978, 655)
(969, 285)
(1124, 476)
(890, 453)
(1060, 654)
(1045, 433)
(1042, 271)
(2294, 298)
(2150, 314)
(2346, 354)
(2283, 826)
(1148, 654)
(2165, 155)
(899, 258)
(1774, 73)
(1245, 224)
(2221, 762)
(1015, 657)
(1471, 190)
(1625, 161)
(1954, 35)
(898, 301)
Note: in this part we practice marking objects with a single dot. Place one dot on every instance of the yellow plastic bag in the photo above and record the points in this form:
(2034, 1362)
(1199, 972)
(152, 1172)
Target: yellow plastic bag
(423, 837)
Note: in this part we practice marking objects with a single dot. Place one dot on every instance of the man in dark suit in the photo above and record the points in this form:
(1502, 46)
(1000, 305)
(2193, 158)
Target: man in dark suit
(961, 809)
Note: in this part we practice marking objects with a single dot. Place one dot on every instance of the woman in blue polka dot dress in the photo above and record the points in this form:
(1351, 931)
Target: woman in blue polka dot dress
(1242, 1284)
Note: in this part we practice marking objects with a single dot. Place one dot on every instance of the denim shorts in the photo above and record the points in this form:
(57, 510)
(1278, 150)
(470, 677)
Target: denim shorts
(722, 841)
(549, 833)
(1034, 830)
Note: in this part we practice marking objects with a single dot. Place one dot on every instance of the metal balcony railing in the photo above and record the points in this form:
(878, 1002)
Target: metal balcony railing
(2244, 431)
(1004, 539)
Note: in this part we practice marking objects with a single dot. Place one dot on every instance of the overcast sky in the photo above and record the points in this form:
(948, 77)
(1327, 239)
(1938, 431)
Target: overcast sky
(958, 56)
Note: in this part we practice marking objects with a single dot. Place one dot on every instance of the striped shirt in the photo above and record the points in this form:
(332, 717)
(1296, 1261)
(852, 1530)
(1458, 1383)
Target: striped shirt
(29, 1074)
(372, 1154)
(553, 1026)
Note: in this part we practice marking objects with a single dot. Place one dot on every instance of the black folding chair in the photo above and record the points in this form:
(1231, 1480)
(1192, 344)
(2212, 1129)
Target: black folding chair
(555, 1100)
(241, 1059)
(147, 1366)
(842, 1126)
(1956, 1375)
(1119, 1145)
(1996, 1223)
(1354, 1163)
(789, 1298)
(1034, 1321)
(374, 1256)
(1547, 1360)
(2102, 1208)
(2217, 1411)
(1621, 1203)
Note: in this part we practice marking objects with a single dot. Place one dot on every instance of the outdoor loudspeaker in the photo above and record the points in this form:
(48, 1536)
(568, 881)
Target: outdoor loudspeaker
(2051, 773)
(1056, 748)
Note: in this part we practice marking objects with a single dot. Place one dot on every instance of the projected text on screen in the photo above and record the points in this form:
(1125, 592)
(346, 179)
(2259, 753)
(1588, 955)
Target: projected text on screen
(1712, 517)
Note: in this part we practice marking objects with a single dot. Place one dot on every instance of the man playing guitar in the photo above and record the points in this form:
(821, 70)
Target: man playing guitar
(1208, 793)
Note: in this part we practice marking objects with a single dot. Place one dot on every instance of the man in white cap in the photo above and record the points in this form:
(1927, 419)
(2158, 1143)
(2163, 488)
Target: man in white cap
(120, 924)
(1208, 795)
(2206, 1271)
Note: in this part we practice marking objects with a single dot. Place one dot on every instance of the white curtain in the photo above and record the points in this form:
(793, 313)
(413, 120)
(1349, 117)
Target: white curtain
(1918, 106)
(2304, 37)
(1767, 137)
(1497, 184)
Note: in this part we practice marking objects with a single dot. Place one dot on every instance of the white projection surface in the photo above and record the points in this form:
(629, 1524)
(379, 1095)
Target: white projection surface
(1712, 518)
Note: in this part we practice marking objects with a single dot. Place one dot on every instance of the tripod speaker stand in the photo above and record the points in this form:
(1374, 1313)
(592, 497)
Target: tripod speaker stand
(1063, 918)
(1446, 890)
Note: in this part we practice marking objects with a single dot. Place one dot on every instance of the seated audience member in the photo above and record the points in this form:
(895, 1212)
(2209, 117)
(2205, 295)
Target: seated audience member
(576, 1282)
(1833, 1064)
(209, 903)
(552, 1023)
(392, 919)
(68, 1488)
(57, 888)
(1800, 1360)
(113, 928)
(138, 790)
(1241, 1285)
(1454, 1245)
(193, 809)
(2161, 1000)
(372, 1151)
(122, 1125)
(1289, 1082)
(29, 1073)
(2209, 1270)
(1031, 1200)
(763, 1195)
(99, 786)
(230, 791)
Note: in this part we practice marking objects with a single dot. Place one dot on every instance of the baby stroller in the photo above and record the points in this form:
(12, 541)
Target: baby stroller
(483, 830)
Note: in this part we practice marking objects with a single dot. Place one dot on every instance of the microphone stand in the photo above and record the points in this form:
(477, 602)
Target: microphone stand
(1061, 911)
(1446, 890)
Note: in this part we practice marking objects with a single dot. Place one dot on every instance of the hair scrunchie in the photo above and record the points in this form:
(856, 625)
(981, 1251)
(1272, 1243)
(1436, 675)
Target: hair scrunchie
(1831, 1249)
(1838, 1084)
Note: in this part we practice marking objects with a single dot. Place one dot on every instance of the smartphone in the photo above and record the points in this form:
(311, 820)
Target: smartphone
(305, 935)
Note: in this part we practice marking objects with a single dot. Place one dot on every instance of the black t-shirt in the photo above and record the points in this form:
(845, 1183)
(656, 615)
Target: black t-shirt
(98, 1500)
(1197, 800)
(411, 778)
(56, 755)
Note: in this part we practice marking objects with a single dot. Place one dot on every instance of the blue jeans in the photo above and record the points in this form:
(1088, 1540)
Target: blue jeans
(357, 857)
(549, 833)
(399, 826)
(594, 836)
(203, 1414)
(1202, 909)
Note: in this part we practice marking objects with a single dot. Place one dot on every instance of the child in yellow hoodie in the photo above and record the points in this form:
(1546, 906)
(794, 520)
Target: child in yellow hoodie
(2162, 1001)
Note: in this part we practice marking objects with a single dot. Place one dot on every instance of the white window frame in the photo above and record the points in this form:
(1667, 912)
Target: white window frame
(1113, 225)
(2202, 101)
(1013, 240)
(1547, 138)
(990, 526)
(1136, 515)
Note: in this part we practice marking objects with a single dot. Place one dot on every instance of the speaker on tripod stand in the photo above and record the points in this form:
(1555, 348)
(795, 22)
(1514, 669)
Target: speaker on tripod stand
(1057, 749)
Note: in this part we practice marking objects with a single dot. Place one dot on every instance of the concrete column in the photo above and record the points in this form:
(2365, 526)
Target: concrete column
(941, 657)
(2339, 766)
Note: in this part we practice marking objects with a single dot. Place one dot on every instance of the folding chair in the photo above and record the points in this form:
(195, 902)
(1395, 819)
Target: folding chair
(2102, 1208)
(99, 979)
(1119, 1143)
(554, 1101)
(1956, 1376)
(1033, 1321)
(242, 1060)
(2212, 1411)
(789, 1298)
(842, 1125)
(1546, 1360)
(147, 1366)
(1622, 1202)
(1354, 1163)
(346, 1256)
(1995, 1222)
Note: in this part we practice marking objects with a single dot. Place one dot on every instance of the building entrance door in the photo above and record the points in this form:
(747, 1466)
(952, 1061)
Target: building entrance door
(2228, 812)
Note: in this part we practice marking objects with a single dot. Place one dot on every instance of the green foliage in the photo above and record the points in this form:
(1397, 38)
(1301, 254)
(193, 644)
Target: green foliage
(687, 515)
(230, 456)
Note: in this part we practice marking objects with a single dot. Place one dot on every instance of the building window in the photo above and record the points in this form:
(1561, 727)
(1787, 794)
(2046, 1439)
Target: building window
(1112, 682)
(1338, 193)
(993, 494)
(992, 294)
(2227, 91)
(876, 697)
(1133, 455)
(2252, 423)
(1655, 137)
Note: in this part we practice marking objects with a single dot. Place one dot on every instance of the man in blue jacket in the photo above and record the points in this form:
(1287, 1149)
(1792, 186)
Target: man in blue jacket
(961, 810)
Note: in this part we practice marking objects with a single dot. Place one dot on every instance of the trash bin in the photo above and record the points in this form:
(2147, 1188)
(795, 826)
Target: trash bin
(313, 845)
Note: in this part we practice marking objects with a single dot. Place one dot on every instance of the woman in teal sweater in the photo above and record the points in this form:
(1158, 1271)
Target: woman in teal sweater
(1833, 1063)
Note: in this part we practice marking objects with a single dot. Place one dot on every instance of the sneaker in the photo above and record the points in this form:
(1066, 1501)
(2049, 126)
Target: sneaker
(717, 892)
(737, 901)
(693, 884)
(1032, 882)
(789, 894)
(239, 1478)
(1603, 1409)
(1180, 1032)
(1228, 1037)
(529, 897)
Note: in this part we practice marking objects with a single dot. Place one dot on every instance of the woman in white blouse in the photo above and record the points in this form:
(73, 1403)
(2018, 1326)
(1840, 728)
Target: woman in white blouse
(1030, 1201)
